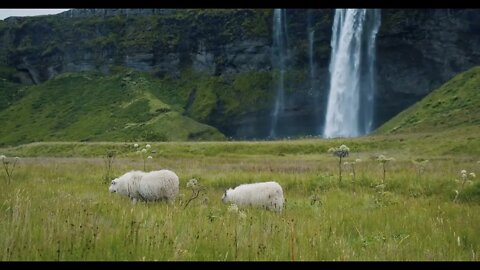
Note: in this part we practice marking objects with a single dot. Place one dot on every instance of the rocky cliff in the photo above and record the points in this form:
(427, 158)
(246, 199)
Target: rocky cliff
(219, 61)
(419, 50)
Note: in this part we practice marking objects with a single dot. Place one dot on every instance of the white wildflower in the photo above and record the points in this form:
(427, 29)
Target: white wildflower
(343, 147)
(233, 208)
(192, 183)
(384, 159)
(341, 151)
(472, 174)
(2, 157)
(463, 172)
(380, 187)
(148, 146)
(135, 145)
(149, 157)
(144, 150)
(358, 160)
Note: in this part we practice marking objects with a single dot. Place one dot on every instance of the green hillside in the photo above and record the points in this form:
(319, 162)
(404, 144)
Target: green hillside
(90, 106)
(456, 104)
(9, 89)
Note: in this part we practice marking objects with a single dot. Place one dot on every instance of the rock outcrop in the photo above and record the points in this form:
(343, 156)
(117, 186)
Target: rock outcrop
(417, 50)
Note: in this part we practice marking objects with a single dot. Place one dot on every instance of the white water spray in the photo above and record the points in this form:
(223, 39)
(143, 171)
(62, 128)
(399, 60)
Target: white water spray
(350, 102)
(279, 59)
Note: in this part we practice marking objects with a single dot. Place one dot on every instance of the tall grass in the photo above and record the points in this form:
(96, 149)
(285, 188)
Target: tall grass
(60, 209)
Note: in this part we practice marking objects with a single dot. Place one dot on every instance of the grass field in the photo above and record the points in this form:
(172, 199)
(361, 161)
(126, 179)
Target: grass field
(57, 206)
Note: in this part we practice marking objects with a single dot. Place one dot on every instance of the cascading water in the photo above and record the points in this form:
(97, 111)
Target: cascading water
(278, 60)
(350, 102)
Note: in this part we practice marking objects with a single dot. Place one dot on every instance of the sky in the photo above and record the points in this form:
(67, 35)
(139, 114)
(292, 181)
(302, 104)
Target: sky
(5, 13)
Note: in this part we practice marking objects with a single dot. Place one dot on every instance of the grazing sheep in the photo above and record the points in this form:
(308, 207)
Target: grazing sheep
(266, 194)
(147, 186)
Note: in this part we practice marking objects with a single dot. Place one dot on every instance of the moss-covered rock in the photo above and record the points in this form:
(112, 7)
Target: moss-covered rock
(90, 106)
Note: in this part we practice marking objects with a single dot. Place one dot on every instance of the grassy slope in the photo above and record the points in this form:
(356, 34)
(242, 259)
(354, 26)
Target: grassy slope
(9, 90)
(90, 107)
(422, 145)
(444, 123)
(456, 104)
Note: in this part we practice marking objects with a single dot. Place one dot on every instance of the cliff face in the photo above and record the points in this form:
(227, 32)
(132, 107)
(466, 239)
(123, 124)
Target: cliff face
(417, 50)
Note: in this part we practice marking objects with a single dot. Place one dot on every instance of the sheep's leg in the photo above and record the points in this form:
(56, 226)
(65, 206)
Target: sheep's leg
(134, 201)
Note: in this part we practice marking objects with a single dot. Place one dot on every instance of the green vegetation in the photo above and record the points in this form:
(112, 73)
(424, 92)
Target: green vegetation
(456, 104)
(9, 93)
(60, 209)
(429, 144)
(201, 96)
(9, 90)
(57, 205)
(166, 32)
(77, 131)
(128, 105)
(88, 106)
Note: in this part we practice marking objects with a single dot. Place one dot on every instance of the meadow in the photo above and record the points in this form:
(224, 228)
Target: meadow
(57, 205)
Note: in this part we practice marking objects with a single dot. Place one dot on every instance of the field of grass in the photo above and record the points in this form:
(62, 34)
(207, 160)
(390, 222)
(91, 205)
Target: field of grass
(57, 206)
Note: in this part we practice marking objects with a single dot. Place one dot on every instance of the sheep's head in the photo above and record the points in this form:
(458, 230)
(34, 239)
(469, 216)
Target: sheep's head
(225, 198)
(113, 186)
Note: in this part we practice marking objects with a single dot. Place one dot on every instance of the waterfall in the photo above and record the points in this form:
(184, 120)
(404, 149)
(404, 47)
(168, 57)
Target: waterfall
(278, 60)
(351, 95)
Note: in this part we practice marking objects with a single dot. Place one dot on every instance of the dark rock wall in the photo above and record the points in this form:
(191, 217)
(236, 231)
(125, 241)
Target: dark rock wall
(417, 51)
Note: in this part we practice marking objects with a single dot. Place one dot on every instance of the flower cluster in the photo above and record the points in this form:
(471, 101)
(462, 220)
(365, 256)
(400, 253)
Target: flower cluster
(233, 208)
(192, 183)
(383, 159)
(420, 164)
(145, 152)
(342, 151)
(466, 179)
(9, 166)
(196, 190)
(352, 166)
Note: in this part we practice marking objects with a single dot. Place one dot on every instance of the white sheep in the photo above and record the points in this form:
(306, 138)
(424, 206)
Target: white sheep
(147, 186)
(266, 194)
